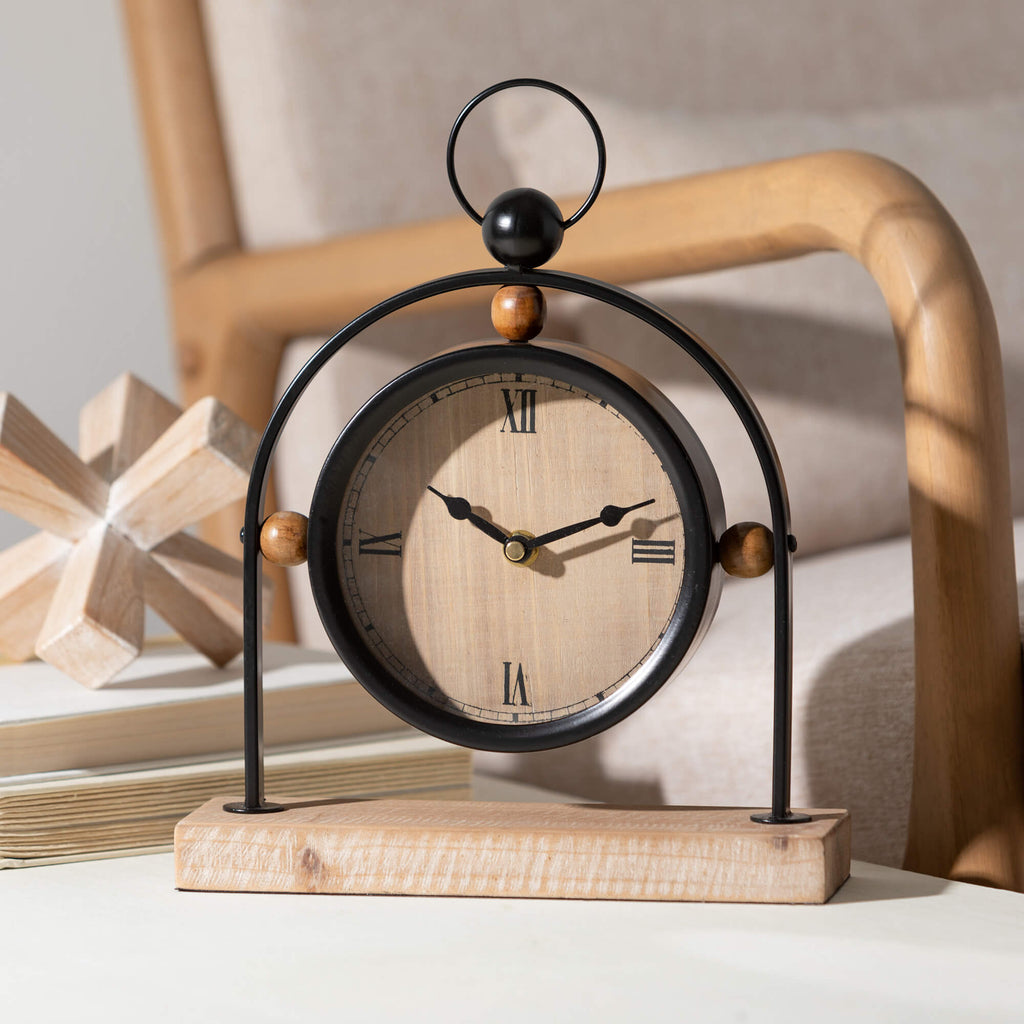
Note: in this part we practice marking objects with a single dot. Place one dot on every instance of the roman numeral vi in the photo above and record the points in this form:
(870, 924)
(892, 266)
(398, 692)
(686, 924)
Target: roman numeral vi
(515, 689)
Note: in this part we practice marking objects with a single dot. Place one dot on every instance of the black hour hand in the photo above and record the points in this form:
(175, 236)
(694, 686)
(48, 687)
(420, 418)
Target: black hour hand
(611, 515)
(459, 508)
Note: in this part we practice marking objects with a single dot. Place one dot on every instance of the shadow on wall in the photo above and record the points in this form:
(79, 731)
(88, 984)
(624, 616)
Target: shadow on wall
(858, 739)
(830, 394)
(855, 745)
(854, 741)
(853, 748)
(820, 363)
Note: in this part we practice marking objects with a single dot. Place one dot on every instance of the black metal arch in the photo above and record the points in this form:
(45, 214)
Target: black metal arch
(627, 302)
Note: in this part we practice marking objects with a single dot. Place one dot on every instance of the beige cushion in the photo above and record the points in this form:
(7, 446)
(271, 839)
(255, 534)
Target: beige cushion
(810, 338)
(705, 737)
(336, 112)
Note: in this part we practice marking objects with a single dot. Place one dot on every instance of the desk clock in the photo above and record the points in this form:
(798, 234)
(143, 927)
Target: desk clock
(512, 546)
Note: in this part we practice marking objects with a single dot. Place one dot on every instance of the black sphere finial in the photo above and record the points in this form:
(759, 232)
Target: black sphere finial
(523, 228)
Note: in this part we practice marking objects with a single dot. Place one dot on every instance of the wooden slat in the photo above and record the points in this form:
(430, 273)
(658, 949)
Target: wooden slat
(318, 713)
(116, 429)
(41, 479)
(29, 574)
(197, 464)
(177, 103)
(181, 129)
(525, 850)
(190, 616)
(210, 574)
(95, 623)
(120, 423)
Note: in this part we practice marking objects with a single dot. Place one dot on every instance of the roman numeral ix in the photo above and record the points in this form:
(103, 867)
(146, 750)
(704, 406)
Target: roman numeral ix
(654, 551)
(526, 423)
(515, 689)
(386, 544)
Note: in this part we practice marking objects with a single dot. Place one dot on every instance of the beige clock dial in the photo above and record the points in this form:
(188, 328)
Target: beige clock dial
(510, 545)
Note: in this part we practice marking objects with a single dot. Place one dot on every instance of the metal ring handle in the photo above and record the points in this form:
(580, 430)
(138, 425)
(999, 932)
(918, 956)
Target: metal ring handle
(538, 83)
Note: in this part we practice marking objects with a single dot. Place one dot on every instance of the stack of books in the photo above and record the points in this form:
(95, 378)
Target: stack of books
(86, 773)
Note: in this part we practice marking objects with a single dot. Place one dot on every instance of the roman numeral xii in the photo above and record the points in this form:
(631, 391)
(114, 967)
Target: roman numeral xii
(521, 420)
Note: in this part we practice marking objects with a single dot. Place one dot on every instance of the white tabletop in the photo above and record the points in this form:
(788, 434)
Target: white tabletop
(112, 940)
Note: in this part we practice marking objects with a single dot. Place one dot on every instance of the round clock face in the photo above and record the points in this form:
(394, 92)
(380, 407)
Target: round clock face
(511, 548)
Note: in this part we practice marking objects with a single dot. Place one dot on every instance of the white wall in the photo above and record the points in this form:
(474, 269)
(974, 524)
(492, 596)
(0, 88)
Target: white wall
(81, 296)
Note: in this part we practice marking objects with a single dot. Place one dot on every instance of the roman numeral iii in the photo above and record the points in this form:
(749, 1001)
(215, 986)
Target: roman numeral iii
(515, 689)
(386, 544)
(524, 419)
(654, 551)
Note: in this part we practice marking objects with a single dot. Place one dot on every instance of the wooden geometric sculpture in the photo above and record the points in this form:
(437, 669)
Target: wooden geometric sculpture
(112, 519)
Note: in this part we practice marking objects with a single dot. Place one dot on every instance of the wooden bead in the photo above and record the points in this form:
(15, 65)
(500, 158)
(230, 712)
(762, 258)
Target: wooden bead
(283, 538)
(518, 311)
(746, 550)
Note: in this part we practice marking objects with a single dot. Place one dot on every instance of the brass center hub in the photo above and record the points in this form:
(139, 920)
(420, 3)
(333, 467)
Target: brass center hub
(517, 551)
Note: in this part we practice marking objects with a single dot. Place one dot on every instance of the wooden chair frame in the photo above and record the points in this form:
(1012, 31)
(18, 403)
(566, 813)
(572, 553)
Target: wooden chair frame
(235, 309)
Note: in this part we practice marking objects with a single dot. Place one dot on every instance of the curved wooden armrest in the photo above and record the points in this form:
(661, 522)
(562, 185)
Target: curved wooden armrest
(234, 312)
(968, 783)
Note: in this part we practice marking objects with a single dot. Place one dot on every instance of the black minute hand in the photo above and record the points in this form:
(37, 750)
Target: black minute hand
(458, 508)
(611, 515)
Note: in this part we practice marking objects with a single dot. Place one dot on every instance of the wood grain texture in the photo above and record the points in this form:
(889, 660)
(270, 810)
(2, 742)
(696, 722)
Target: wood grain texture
(320, 708)
(195, 588)
(192, 618)
(439, 603)
(568, 851)
(518, 312)
(181, 129)
(140, 804)
(745, 550)
(248, 391)
(197, 464)
(235, 309)
(116, 426)
(95, 623)
(29, 574)
(213, 576)
(41, 479)
(283, 538)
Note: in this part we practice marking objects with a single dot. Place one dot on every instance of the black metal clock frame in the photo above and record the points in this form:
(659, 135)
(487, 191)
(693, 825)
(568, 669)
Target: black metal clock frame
(720, 374)
(411, 698)
(523, 228)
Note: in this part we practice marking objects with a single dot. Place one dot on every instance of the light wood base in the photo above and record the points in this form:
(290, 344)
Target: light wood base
(567, 851)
